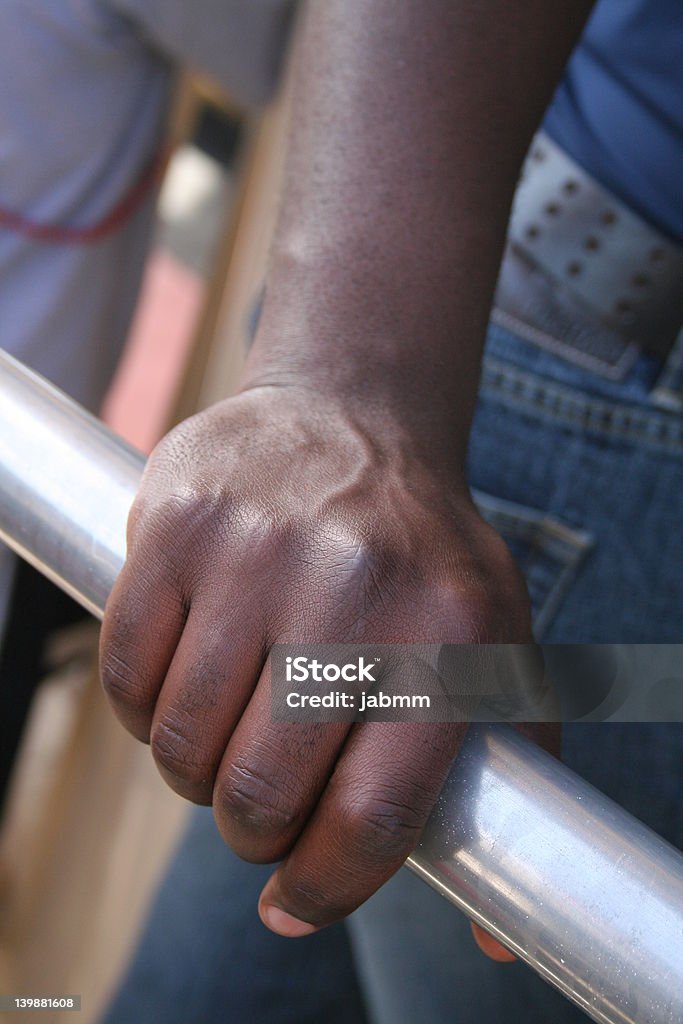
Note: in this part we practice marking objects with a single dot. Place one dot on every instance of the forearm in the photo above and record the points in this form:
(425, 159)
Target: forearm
(410, 122)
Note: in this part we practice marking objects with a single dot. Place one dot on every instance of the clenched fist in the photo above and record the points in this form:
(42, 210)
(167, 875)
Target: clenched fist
(276, 517)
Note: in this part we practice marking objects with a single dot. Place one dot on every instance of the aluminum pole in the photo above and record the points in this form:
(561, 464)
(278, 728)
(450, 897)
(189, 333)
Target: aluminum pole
(571, 883)
(66, 485)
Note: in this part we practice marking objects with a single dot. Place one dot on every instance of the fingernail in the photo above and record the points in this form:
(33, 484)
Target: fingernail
(283, 923)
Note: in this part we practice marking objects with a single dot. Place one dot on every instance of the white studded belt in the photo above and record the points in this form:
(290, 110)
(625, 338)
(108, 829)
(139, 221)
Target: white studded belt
(573, 247)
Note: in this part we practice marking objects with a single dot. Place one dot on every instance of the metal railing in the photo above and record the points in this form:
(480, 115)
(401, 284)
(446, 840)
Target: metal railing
(571, 883)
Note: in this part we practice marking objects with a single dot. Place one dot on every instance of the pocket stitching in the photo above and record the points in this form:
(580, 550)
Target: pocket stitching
(545, 534)
(561, 405)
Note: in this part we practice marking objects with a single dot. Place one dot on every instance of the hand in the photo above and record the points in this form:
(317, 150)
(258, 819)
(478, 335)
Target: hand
(277, 517)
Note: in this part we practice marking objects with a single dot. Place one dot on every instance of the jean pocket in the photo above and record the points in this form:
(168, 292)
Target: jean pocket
(548, 552)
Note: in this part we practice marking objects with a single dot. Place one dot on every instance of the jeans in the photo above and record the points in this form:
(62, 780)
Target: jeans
(583, 476)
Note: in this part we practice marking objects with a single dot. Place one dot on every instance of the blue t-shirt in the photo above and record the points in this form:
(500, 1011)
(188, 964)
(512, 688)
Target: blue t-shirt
(619, 108)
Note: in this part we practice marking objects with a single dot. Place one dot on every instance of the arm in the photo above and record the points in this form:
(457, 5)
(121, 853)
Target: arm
(411, 123)
(326, 502)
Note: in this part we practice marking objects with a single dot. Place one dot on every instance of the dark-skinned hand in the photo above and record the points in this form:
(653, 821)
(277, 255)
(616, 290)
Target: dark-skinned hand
(261, 521)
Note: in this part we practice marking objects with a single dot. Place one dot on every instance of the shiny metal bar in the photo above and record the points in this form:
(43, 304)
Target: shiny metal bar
(590, 897)
(587, 895)
(66, 485)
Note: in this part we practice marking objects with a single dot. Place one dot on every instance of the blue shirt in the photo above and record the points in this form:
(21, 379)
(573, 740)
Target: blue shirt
(619, 108)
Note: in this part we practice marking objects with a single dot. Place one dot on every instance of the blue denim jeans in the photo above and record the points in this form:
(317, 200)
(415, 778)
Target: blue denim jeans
(583, 476)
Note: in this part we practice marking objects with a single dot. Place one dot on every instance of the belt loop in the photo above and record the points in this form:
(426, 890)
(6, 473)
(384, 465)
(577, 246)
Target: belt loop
(668, 391)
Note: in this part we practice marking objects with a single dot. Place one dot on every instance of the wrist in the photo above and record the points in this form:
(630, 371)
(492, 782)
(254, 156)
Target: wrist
(402, 420)
(400, 334)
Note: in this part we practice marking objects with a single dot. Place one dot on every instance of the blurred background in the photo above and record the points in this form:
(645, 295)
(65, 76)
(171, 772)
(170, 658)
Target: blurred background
(87, 825)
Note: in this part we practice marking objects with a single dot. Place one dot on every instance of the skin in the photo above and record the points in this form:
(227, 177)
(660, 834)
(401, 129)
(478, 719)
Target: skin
(327, 501)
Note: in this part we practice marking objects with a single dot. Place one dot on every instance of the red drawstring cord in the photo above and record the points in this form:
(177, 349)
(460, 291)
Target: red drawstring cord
(116, 218)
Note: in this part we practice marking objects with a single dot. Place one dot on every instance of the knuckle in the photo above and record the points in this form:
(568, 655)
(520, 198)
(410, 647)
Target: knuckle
(367, 575)
(252, 807)
(175, 492)
(187, 511)
(382, 828)
(123, 683)
(262, 531)
(178, 533)
(482, 608)
(367, 561)
(177, 449)
(196, 522)
(179, 754)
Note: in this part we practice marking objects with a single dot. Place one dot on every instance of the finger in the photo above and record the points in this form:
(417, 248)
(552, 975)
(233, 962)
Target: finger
(143, 622)
(209, 682)
(271, 777)
(368, 820)
(490, 946)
